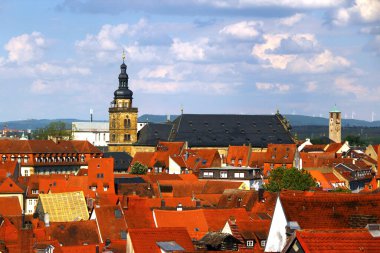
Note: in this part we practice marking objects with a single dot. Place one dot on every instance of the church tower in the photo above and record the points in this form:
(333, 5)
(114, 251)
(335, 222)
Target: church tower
(335, 126)
(122, 116)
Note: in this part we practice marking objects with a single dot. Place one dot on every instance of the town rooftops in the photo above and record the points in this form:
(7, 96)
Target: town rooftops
(220, 130)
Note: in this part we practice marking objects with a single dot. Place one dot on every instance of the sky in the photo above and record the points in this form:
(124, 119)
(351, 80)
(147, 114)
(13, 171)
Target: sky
(61, 58)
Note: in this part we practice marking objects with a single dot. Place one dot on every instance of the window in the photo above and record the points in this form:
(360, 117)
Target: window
(262, 243)
(12, 158)
(233, 160)
(26, 158)
(250, 243)
(113, 123)
(82, 158)
(223, 174)
(239, 174)
(208, 174)
(35, 191)
(26, 172)
(100, 175)
(127, 137)
(240, 161)
(113, 137)
(127, 123)
(4, 158)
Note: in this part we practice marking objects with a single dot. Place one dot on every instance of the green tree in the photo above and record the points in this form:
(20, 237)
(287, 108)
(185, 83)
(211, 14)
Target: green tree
(292, 179)
(55, 129)
(139, 169)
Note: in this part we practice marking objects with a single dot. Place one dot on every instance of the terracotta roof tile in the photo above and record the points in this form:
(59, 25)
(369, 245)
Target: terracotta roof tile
(10, 206)
(74, 233)
(111, 222)
(338, 240)
(238, 156)
(145, 240)
(281, 153)
(334, 210)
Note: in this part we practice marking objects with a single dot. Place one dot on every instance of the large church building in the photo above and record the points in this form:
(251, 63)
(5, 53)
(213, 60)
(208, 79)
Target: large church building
(217, 131)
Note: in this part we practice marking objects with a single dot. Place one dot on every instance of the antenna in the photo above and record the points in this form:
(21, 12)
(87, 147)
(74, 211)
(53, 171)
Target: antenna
(91, 112)
(181, 109)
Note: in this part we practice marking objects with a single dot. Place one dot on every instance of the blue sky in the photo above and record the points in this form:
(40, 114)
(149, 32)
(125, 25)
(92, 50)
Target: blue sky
(60, 58)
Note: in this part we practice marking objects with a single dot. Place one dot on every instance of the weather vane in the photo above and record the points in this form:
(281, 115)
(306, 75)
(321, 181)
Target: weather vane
(123, 55)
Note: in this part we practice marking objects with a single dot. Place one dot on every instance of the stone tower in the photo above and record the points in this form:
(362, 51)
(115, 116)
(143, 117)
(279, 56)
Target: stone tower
(335, 126)
(122, 116)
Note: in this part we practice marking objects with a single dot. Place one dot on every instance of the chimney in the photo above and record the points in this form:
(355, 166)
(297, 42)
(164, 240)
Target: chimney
(179, 207)
(291, 227)
(198, 203)
(23, 219)
(163, 204)
(186, 155)
(261, 194)
(47, 220)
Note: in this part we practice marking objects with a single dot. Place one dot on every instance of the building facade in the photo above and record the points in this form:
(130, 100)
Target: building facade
(122, 116)
(335, 126)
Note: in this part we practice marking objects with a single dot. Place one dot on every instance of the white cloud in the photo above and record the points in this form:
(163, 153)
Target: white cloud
(40, 87)
(141, 54)
(163, 87)
(47, 68)
(26, 47)
(176, 73)
(290, 21)
(311, 86)
(315, 62)
(346, 85)
(366, 11)
(273, 3)
(189, 51)
(279, 87)
(242, 30)
(106, 39)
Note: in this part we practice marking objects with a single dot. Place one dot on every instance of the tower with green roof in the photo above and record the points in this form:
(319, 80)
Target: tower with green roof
(335, 125)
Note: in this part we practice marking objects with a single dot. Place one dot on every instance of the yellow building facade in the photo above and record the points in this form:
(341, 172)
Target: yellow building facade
(122, 116)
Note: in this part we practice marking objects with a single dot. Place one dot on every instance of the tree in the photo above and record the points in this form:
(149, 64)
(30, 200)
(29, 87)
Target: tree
(54, 129)
(292, 179)
(139, 169)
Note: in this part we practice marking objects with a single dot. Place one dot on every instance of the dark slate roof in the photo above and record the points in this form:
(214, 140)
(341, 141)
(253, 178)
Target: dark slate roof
(129, 180)
(220, 130)
(122, 160)
(151, 133)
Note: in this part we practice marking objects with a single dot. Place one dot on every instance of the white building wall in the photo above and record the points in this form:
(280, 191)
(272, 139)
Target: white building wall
(277, 231)
(174, 168)
(31, 204)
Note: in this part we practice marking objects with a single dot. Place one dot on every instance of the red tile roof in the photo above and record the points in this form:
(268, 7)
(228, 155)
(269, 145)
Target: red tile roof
(110, 220)
(138, 214)
(8, 185)
(338, 240)
(281, 153)
(145, 240)
(257, 159)
(238, 155)
(74, 233)
(193, 220)
(314, 210)
(8, 168)
(10, 206)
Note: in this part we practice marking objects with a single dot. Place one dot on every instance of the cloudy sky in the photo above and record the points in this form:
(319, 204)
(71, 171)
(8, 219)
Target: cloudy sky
(59, 58)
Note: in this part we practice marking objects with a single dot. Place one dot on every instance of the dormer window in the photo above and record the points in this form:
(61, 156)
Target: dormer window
(4, 158)
(35, 191)
(82, 158)
(250, 243)
(12, 158)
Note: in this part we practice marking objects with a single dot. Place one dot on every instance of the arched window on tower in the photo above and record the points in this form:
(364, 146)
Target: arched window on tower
(127, 123)
(113, 137)
(113, 123)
